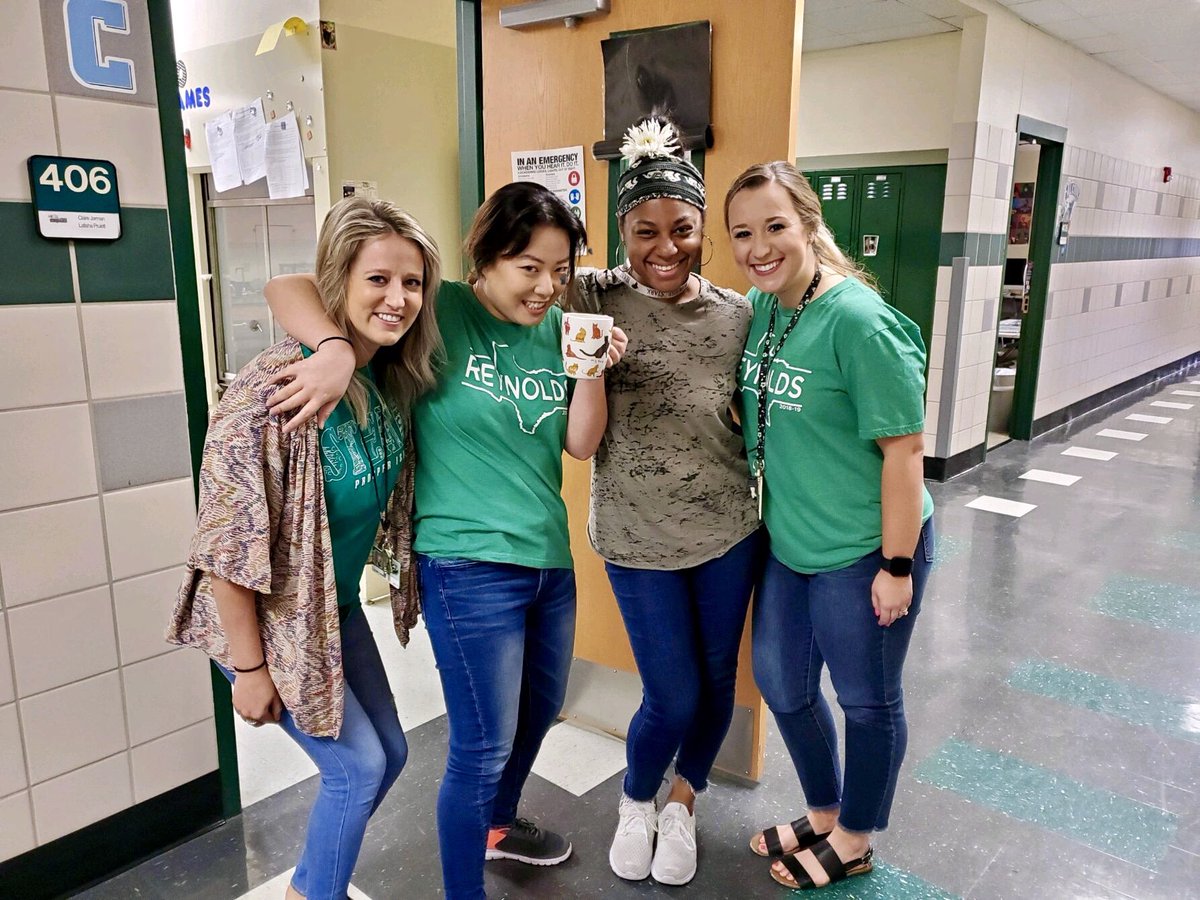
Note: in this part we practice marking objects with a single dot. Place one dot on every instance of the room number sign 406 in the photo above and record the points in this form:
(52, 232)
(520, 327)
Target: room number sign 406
(75, 198)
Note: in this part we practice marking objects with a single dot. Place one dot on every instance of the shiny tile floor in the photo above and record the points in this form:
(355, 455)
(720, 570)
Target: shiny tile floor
(1053, 691)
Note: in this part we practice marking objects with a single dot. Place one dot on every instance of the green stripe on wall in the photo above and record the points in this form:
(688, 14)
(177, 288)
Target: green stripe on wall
(33, 269)
(1128, 702)
(1155, 603)
(1108, 822)
(992, 249)
(983, 249)
(1092, 248)
(136, 266)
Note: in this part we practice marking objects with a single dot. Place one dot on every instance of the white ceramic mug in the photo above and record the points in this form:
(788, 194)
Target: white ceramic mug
(585, 342)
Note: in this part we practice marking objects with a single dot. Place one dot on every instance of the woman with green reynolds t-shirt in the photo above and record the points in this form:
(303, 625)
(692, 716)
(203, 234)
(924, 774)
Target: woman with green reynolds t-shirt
(832, 393)
(494, 556)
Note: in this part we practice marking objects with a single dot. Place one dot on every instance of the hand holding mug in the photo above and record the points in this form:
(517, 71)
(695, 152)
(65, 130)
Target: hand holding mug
(590, 344)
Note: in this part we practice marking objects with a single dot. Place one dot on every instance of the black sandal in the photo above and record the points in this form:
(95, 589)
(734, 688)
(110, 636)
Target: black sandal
(801, 828)
(828, 859)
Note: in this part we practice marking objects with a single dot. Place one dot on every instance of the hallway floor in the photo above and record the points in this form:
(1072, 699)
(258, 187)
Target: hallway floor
(1053, 692)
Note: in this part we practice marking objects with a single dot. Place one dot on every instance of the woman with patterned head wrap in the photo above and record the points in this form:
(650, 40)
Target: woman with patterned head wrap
(670, 511)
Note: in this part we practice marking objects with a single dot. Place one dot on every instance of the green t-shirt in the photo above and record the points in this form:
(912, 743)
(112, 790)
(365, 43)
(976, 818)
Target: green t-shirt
(852, 370)
(489, 440)
(352, 458)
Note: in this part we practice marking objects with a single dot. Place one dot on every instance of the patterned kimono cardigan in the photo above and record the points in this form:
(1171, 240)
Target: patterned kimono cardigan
(262, 525)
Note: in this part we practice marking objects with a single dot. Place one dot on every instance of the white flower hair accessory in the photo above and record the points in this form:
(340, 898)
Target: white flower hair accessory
(650, 140)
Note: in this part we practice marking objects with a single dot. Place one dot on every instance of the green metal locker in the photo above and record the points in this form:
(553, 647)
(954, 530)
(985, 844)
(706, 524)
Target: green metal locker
(878, 229)
(888, 219)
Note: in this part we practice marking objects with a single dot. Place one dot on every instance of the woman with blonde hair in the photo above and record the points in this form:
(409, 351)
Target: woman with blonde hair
(832, 393)
(287, 522)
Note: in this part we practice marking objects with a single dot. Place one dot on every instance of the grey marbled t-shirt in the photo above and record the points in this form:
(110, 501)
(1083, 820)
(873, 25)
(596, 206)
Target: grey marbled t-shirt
(670, 482)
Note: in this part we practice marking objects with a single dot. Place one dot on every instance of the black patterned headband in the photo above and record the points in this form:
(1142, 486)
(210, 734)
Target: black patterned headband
(655, 170)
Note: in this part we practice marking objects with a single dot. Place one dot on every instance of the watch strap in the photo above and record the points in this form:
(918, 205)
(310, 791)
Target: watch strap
(899, 566)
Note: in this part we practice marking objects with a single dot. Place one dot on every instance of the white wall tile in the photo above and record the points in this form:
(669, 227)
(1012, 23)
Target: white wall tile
(174, 760)
(962, 140)
(79, 798)
(41, 358)
(23, 62)
(12, 771)
(55, 642)
(954, 214)
(959, 175)
(167, 693)
(127, 135)
(35, 543)
(16, 826)
(72, 726)
(149, 527)
(46, 455)
(133, 348)
(7, 693)
(28, 130)
(144, 608)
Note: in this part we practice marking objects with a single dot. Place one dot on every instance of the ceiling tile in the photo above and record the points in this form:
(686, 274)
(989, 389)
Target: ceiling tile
(1074, 29)
(1039, 12)
(1105, 43)
(899, 33)
(940, 9)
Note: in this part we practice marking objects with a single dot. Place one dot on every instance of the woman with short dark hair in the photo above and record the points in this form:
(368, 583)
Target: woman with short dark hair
(491, 527)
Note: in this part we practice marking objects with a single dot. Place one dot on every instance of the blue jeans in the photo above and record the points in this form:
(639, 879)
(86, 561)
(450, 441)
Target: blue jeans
(357, 768)
(502, 636)
(685, 627)
(804, 622)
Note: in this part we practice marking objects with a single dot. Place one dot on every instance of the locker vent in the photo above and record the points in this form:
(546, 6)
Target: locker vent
(879, 190)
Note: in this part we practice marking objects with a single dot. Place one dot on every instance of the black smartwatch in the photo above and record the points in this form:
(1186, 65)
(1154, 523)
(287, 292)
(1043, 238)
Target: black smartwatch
(899, 566)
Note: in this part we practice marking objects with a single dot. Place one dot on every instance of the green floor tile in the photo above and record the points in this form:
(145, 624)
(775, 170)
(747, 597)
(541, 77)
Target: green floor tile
(1162, 605)
(949, 548)
(32, 268)
(1182, 540)
(884, 882)
(1113, 824)
(1127, 702)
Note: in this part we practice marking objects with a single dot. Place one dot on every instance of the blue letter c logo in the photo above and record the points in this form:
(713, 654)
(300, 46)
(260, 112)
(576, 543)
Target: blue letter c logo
(84, 20)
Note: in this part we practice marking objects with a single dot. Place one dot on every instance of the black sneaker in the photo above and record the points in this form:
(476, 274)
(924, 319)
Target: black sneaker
(525, 842)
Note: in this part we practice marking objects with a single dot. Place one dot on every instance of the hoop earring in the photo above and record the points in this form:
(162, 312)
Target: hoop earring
(622, 251)
(711, 251)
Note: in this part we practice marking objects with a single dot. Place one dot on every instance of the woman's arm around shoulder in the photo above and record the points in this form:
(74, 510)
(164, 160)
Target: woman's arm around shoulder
(582, 294)
(314, 386)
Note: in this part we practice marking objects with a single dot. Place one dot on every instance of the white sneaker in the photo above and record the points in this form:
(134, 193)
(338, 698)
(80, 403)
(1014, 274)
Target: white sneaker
(675, 858)
(633, 844)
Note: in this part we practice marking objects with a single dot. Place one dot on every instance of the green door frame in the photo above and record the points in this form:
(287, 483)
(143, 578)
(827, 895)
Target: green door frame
(468, 16)
(1044, 251)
